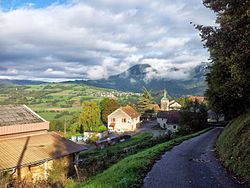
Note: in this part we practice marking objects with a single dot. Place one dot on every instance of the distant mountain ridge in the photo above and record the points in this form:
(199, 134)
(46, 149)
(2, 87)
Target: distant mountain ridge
(133, 79)
(21, 82)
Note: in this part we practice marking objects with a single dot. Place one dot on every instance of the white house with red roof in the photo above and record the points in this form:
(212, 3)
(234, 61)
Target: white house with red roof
(124, 119)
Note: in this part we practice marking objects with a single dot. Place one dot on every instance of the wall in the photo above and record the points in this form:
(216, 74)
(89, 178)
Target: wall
(16, 129)
(33, 173)
(167, 125)
(119, 115)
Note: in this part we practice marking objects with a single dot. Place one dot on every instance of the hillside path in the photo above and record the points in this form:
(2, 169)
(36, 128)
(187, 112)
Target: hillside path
(192, 164)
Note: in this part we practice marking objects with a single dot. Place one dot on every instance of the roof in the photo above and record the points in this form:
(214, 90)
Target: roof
(173, 102)
(155, 107)
(200, 99)
(18, 114)
(171, 116)
(35, 149)
(130, 111)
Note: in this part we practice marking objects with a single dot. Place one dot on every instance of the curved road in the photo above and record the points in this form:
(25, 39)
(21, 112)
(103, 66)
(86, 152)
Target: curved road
(191, 164)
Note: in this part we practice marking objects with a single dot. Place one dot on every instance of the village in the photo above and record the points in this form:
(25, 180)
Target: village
(124, 94)
(29, 150)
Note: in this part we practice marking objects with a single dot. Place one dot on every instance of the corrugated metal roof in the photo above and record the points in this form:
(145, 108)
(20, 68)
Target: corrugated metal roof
(34, 149)
(17, 114)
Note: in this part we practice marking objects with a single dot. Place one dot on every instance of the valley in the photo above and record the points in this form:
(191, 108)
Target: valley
(58, 101)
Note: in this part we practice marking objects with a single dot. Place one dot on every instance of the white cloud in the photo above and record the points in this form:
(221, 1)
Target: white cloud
(95, 39)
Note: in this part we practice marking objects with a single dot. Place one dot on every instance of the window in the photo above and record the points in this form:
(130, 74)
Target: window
(113, 119)
(124, 120)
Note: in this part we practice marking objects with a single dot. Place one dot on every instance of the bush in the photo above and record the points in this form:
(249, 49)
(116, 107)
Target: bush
(233, 146)
(101, 128)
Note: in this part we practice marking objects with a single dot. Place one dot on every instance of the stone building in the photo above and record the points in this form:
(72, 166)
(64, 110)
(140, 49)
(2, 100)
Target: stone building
(27, 149)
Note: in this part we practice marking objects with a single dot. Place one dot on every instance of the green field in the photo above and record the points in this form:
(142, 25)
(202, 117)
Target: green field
(55, 101)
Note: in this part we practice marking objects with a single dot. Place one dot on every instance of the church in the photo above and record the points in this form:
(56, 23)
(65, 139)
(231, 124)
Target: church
(168, 117)
(167, 105)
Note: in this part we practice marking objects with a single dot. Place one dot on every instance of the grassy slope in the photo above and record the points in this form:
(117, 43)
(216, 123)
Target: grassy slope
(130, 171)
(233, 146)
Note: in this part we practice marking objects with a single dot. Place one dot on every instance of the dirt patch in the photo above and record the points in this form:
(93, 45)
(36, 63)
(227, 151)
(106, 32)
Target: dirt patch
(56, 109)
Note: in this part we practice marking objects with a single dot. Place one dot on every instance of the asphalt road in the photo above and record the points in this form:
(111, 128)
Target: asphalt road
(191, 164)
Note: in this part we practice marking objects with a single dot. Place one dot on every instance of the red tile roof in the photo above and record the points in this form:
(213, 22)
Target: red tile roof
(130, 111)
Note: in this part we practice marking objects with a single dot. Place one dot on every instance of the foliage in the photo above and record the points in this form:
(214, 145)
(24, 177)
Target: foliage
(93, 138)
(130, 171)
(193, 116)
(89, 118)
(233, 146)
(58, 173)
(102, 128)
(56, 125)
(97, 160)
(145, 101)
(228, 80)
(182, 101)
(107, 106)
(5, 178)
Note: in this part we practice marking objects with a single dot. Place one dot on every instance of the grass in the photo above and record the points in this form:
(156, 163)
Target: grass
(233, 146)
(130, 171)
(142, 137)
(98, 160)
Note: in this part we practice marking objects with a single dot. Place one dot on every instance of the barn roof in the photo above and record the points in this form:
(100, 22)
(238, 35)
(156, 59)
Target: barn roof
(18, 114)
(35, 149)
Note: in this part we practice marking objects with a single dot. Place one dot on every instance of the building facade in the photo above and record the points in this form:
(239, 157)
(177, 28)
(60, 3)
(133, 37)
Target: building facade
(169, 120)
(124, 119)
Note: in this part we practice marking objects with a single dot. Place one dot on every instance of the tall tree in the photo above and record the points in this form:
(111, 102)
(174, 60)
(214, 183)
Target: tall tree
(89, 118)
(229, 71)
(194, 116)
(145, 101)
(107, 106)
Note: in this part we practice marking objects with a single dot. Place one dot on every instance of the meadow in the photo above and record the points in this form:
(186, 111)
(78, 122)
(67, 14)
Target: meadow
(58, 101)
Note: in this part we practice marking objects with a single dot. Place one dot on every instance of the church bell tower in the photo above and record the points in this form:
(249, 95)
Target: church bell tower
(165, 102)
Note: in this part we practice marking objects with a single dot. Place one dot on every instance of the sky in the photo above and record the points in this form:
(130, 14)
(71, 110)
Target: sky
(57, 40)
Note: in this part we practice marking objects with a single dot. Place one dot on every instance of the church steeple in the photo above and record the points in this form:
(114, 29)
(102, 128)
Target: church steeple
(165, 102)
(165, 93)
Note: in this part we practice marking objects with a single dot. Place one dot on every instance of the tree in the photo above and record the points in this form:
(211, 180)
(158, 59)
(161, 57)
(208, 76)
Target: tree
(89, 118)
(145, 101)
(229, 71)
(107, 106)
(193, 116)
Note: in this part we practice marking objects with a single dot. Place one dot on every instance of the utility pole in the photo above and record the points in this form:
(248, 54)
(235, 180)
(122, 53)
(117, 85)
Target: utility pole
(65, 126)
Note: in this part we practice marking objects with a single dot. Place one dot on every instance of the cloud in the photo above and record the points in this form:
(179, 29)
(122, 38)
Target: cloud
(93, 39)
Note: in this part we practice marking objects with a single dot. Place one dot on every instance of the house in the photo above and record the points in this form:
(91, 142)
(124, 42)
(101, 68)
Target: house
(124, 118)
(167, 105)
(199, 99)
(27, 149)
(169, 120)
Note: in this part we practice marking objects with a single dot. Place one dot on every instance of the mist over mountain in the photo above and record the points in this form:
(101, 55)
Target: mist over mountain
(136, 77)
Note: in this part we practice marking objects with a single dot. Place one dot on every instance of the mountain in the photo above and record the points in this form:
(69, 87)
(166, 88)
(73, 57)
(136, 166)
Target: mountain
(20, 82)
(134, 80)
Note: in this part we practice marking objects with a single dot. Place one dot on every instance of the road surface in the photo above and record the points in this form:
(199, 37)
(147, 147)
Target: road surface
(191, 164)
